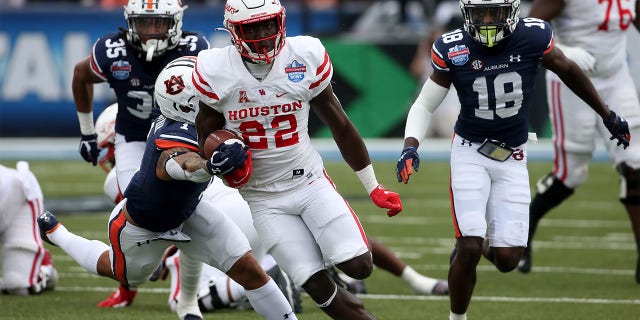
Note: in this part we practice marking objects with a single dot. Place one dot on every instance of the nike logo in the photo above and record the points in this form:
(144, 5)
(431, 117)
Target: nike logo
(278, 95)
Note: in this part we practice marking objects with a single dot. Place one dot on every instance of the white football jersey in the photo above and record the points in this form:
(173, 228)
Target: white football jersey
(273, 114)
(598, 27)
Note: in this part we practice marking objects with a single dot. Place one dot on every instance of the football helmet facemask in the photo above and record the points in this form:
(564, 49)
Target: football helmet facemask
(239, 15)
(490, 21)
(154, 26)
(174, 91)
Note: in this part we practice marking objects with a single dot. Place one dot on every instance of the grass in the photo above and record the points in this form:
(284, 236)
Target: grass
(583, 263)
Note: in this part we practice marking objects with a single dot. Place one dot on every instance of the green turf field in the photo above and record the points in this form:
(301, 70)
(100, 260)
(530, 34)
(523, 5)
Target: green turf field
(583, 263)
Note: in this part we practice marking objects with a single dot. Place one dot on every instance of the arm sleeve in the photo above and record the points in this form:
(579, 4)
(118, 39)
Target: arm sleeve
(419, 116)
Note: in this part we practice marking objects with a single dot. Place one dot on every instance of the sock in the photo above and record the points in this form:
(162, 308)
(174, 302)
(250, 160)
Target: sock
(269, 302)
(84, 251)
(417, 281)
(455, 316)
(189, 280)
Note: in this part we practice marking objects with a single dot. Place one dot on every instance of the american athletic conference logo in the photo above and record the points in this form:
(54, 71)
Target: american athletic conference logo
(120, 69)
(295, 71)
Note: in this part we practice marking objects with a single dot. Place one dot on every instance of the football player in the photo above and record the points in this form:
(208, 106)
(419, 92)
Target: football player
(264, 87)
(27, 267)
(162, 207)
(492, 63)
(215, 290)
(129, 60)
(597, 44)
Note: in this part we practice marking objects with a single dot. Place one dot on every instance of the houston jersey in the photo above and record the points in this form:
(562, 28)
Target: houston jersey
(495, 84)
(160, 205)
(133, 78)
(273, 114)
(598, 27)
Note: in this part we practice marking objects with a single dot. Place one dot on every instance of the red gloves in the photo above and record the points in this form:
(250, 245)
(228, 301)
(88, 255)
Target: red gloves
(240, 176)
(386, 199)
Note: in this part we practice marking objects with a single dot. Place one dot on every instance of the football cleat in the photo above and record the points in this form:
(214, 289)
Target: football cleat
(162, 271)
(122, 297)
(352, 285)
(192, 317)
(288, 288)
(524, 265)
(47, 223)
(440, 289)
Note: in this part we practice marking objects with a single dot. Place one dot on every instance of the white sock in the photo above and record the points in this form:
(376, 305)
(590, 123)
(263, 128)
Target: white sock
(455, 316)
(189, 280)
(419, 283)
(269, 302)
(84, 251)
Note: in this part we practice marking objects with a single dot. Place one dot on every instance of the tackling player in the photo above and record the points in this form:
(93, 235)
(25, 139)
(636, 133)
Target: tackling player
(592, 35)
(162, 207)
(264, 88)
(129, 60)
(492, 63)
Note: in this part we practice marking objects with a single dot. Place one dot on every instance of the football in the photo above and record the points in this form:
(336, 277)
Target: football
(217, 137)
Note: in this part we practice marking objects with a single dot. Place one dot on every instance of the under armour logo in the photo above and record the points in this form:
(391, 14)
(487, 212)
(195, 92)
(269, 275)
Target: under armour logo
(465, 141)
(513, 58)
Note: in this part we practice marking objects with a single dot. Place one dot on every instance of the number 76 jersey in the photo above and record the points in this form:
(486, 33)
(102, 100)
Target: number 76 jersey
(494, 85)
(273, 114)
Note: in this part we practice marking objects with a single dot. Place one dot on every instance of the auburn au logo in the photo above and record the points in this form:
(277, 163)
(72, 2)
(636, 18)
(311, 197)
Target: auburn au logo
(174, 85)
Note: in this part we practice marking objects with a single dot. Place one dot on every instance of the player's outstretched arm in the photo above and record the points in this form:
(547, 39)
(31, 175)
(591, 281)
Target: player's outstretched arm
(353, 149)
(431, 95)
(571, 74)
(180, 163)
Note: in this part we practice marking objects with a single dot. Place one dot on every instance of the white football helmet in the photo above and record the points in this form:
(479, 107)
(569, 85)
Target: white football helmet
(154, 26)
(238, 13)
(106, 126)
(489, 21)
(174, 92)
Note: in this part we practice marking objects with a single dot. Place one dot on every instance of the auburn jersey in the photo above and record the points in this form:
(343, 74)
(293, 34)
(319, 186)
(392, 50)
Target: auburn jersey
(160, 205)
(494, 84)
(132, 77)
(273, 114)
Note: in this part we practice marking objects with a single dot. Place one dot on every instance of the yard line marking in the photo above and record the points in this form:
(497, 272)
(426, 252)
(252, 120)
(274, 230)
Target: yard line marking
(564, 223)
(408, 297)
(541, 269)
(505, 299)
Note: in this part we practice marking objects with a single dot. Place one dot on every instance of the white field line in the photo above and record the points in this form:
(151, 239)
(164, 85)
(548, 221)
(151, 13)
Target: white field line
(409, 297)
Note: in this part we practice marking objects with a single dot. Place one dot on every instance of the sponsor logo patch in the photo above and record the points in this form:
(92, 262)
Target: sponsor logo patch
(459, 54)
(120, 69)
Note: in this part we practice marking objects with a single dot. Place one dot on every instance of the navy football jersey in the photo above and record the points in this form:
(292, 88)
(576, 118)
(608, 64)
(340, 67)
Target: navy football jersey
(495, 84)
(132, 77)
(160, 205)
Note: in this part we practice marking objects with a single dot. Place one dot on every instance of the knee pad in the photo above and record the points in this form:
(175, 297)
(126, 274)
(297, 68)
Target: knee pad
(629, 184)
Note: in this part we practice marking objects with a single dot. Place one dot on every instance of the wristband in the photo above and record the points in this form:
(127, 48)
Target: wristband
(368, 178)
(86, 123)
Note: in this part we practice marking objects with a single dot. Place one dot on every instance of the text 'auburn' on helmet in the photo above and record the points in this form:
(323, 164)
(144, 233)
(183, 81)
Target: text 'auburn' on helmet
(489, 21)
(240, 14)
(154, 26)
(106, 126)
(174, 92)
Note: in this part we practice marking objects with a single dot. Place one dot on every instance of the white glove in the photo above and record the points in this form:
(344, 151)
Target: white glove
(581, 57)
